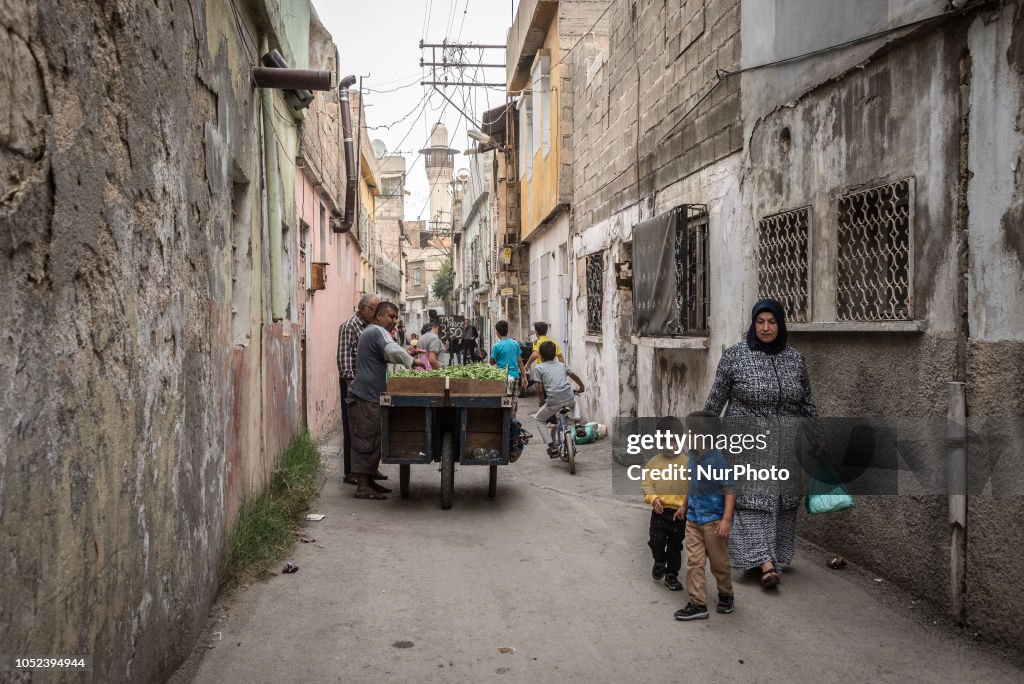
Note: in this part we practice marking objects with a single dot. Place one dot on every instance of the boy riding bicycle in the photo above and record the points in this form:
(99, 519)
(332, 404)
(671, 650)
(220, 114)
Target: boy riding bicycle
(555, 392)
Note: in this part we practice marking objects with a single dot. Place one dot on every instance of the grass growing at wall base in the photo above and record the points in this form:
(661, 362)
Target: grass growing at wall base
(266, 525)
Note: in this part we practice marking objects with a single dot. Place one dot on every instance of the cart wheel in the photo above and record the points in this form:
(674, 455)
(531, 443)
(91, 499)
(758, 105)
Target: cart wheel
(403, 480)
(447, 470)
(570, 450)
(492, 482)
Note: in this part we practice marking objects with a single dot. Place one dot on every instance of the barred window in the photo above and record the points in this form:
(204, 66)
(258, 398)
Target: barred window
(782, 261)
(874, 272)
(692, 294)
(595, 292)
(670, 273)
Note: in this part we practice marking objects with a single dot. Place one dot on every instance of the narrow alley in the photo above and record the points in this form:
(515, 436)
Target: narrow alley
(550, 581)
(242, 241)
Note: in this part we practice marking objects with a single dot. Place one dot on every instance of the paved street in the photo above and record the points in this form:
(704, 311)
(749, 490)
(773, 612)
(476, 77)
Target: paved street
(557, 569)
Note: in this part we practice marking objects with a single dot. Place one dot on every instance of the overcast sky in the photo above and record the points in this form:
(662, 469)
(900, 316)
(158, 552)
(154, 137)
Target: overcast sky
(381, 38)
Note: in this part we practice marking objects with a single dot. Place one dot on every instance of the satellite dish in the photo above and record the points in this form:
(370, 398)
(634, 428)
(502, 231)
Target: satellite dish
(462, 175)
(379, 148)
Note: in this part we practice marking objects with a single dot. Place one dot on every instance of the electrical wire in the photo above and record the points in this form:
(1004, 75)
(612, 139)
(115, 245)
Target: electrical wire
(395, 90)
(403, 118)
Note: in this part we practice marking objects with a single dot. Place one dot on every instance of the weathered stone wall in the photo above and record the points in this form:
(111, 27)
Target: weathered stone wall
(661, 59)
(130, 197)
(846, 130)
(655, 127)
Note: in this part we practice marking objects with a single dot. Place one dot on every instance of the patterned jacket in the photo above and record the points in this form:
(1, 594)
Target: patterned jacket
(759, 385)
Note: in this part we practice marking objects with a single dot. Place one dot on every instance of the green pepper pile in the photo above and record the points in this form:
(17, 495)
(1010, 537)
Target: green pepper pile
(472, 371)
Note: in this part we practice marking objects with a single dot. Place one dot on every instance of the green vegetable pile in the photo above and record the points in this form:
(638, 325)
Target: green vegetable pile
(472, 371)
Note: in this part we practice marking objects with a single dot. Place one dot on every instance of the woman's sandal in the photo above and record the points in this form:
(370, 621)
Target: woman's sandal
(374, 496)
(770, 579)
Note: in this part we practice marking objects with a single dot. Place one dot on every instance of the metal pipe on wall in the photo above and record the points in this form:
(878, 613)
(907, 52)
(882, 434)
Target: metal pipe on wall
(350, 161)
(272, 179)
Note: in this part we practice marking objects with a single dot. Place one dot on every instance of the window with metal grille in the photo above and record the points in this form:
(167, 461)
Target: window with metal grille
(782, 261)
(875, 267)
(595, 292)
(692, 276)
(671, 273)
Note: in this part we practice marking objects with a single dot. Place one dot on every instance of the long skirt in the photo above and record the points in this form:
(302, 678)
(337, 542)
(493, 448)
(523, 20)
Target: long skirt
(761, 536)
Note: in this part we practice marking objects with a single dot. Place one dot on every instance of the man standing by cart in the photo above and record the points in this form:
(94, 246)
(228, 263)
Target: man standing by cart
(375, 351)
(348, 339)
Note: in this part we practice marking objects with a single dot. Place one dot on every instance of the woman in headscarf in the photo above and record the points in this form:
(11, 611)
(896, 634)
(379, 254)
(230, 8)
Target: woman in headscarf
(763, 377)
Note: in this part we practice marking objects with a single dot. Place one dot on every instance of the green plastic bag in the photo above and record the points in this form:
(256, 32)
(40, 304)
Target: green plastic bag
(585, 434)
(827, 494)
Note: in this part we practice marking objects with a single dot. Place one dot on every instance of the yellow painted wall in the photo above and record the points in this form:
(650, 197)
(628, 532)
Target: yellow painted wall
(540, 189)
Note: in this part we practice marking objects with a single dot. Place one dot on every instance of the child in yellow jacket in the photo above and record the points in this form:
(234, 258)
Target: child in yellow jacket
(667, 497)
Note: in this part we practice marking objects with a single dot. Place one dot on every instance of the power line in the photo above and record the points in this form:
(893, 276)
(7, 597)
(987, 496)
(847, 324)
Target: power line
(403, 118)
(395, 90)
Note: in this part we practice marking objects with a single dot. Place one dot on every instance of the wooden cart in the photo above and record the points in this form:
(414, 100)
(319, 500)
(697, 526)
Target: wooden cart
(449, 421)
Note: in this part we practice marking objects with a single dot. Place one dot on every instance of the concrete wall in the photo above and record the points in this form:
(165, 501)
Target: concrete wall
(320, 188)
(995, 361)
(133, 243)
(640, 150)
(547, 302)
(959, 81)
(325, 310)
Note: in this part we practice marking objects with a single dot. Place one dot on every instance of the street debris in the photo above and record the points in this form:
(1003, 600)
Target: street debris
(315, 517)
(506, 650)
(290, 567)
(837, 563)
(878, 579)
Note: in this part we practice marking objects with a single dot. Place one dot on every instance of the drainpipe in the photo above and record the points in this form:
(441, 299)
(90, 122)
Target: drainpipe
(350, 157)
(270, 172)
(956, 416)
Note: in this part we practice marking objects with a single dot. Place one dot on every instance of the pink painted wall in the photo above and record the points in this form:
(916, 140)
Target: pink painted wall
(325, 310)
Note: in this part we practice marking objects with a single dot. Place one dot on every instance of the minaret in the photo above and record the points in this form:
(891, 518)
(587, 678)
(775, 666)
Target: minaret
(439, 160)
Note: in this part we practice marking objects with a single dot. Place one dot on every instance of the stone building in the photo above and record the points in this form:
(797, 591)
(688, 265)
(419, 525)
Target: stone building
(390, 214)
(647, 139)
(328, 282)
(539, 40)
(148, 275)
(861, 163)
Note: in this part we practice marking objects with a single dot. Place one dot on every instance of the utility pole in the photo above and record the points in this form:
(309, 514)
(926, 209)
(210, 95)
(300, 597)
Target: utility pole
(453, 57)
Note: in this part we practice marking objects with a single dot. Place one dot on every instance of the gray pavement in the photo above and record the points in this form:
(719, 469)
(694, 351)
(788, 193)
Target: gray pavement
(549, 582)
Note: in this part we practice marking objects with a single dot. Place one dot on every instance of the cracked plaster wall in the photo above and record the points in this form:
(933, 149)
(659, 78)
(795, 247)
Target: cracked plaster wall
(130, 420)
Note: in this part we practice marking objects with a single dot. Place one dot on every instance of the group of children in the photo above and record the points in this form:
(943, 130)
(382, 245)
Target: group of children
(696, 512)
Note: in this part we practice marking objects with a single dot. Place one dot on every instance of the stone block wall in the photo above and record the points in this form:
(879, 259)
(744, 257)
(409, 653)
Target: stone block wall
(660, 66)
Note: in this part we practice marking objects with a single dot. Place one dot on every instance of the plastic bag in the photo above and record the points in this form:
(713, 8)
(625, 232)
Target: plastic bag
(585, 434)
(827, 494)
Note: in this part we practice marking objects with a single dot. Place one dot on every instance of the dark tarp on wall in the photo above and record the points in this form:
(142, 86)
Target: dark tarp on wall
(655, 307)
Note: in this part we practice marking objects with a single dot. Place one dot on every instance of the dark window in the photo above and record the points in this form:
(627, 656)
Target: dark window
(595, 292)
(670, 273)
(874, 273)
(782, 261)
(692, 296)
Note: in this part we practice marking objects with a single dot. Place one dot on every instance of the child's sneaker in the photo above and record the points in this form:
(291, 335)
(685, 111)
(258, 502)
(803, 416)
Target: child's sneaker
(553, 451)
(658, 571)
(673, 583)
(692, 611)
(725, 604)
